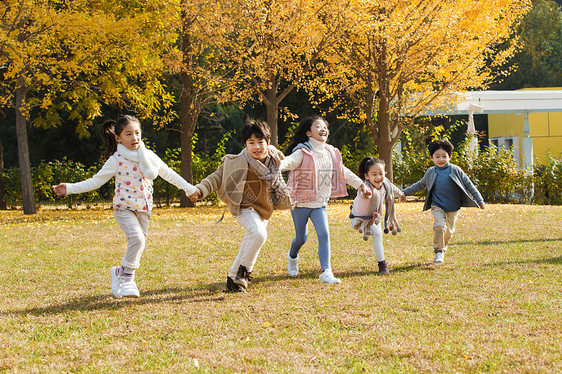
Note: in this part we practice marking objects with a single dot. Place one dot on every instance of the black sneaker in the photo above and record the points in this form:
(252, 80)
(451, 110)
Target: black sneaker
(241, 277)
(233, 287)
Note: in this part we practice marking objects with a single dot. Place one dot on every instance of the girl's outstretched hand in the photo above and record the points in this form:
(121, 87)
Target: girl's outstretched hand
(366, 191)
(60, 189)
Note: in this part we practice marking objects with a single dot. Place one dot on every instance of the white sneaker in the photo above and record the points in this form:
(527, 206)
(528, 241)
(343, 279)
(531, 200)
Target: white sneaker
(116, 281)
(129, 289)
(328, 277)
(439, 258)
(293, 266)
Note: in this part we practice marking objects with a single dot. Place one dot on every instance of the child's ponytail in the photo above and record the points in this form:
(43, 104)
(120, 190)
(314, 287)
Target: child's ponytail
(366, 164)
(112, 128)
(108, 136)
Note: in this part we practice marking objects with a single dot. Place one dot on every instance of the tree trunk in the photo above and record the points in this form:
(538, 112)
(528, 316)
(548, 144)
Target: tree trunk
(384, 137)
(272, 110)
(2, 187)
(384, 141)
(23, 152)
(188, 105)
(186, 159)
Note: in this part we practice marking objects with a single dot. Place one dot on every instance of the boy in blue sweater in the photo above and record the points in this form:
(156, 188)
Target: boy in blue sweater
(448, 189)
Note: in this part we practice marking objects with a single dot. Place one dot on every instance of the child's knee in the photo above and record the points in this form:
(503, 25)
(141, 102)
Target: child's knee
(323, 236)
(137, 240)
(261, 236)
(439, 227)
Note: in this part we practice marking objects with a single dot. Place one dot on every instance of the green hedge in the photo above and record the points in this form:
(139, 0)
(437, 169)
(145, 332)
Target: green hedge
(50, 173)
(493, 171)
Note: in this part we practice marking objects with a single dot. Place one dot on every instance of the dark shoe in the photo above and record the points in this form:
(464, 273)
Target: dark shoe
(241, 277)
(230, 286)
(233, 287)
(383, 268)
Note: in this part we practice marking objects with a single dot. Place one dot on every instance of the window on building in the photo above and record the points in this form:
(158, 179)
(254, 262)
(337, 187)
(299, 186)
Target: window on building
(510, 143)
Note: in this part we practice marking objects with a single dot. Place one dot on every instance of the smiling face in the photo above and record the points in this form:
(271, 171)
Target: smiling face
(318, 131)
(130, 137)
(440, 158)
(257, 147)
(375, 175)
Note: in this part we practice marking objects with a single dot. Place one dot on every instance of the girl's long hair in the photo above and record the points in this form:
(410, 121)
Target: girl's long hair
(300, 133)
(366, 164)
(112, 128)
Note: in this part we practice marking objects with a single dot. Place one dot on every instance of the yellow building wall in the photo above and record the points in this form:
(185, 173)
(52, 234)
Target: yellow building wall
(546, 131)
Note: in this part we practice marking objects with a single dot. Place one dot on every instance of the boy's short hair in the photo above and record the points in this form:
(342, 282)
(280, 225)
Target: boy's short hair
(440, 144)
(259, 129)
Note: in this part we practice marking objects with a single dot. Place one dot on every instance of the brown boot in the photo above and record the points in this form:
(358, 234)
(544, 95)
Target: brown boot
(383, 268)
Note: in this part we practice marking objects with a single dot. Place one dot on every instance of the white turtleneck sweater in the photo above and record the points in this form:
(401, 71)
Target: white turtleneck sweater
(324, 167)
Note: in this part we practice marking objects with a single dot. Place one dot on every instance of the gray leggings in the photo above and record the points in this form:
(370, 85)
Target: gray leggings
(135, 226)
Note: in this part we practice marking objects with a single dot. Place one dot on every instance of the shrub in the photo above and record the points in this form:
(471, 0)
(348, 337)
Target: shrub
(547, 178)
(494, 172)
(499, 178)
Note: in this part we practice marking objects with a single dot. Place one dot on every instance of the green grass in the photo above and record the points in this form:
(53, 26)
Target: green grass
(494, 306)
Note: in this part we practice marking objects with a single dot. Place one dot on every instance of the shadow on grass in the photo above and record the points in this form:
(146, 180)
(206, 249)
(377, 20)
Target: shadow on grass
(214, 292)
(428, 266)
(204, 293)
(550, 261)
(347, 274)
(499, 242)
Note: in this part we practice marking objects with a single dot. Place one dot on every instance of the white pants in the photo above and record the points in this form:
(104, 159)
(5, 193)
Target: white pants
(377, 241)
(254, 238)
(135, 226)
(443, 227)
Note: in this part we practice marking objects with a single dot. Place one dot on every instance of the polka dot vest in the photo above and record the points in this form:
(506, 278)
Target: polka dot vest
(132, 190)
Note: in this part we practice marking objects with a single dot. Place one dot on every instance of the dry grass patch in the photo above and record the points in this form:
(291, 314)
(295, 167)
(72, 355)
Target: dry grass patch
(494, 305)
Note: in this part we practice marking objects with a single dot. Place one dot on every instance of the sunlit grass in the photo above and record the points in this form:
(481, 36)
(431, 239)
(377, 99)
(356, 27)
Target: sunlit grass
(494, 305)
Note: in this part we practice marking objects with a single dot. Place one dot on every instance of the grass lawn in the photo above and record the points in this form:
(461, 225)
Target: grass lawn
(494, 306)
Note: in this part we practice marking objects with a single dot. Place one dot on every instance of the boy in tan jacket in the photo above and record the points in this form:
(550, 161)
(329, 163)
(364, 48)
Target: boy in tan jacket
(251, 186)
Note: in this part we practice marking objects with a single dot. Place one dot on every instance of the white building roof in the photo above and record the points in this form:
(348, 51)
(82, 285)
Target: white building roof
(490, 102)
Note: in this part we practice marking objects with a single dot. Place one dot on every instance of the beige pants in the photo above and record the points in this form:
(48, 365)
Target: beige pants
(443, 227)
(135, 227)
(254, 238)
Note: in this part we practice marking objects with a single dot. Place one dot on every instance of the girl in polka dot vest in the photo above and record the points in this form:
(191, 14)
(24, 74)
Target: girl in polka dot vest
(134, 168)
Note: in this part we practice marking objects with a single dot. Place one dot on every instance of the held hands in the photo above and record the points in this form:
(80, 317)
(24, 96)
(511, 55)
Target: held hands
(366, 191)
(483, 206)
(60, 189)
(402, 198)
(194, 196)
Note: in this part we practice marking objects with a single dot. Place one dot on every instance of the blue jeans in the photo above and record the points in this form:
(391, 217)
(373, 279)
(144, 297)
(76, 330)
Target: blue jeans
(319, 219)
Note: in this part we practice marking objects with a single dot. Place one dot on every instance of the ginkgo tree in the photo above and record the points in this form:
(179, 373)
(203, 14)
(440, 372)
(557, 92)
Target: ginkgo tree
(61, 57)
(273, 45)
(203, 81)
(398, 58)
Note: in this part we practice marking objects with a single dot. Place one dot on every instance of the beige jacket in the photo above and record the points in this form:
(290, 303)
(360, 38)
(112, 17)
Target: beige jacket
(229, 180)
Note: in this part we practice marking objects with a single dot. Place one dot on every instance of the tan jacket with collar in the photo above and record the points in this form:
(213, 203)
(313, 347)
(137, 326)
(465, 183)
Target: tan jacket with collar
(229, 180)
